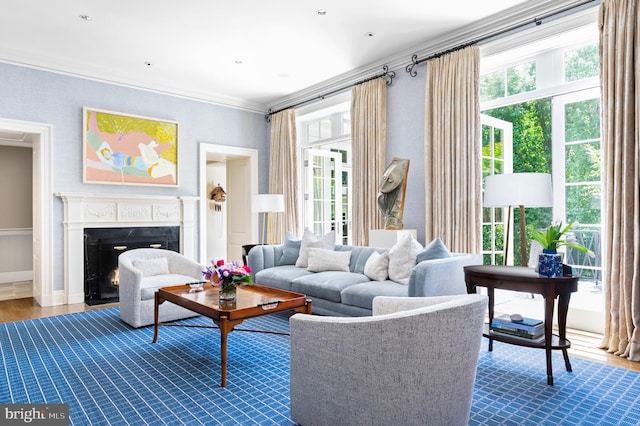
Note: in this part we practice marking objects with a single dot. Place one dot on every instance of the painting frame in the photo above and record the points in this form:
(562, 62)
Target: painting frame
(126, 149)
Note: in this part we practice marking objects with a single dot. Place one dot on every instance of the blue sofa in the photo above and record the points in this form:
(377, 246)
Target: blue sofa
(351, 293)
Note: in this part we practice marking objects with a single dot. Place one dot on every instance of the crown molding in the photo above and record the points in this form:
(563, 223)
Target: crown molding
(92, 75)
(523, 16)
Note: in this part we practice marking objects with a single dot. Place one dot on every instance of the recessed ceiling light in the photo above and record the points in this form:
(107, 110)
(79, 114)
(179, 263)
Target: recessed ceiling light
(86, 17)
(321, 12)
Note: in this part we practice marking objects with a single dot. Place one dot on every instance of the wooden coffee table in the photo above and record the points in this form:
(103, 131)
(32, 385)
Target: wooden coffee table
(251, 301)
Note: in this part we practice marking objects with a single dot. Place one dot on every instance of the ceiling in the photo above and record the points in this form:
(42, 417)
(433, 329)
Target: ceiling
(243, 53)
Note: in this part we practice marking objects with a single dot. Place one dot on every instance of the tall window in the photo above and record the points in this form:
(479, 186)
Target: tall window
(324, 138)
(547, 92)
(551, 99)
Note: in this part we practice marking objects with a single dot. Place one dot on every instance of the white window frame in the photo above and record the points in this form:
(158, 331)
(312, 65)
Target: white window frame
(338, 104)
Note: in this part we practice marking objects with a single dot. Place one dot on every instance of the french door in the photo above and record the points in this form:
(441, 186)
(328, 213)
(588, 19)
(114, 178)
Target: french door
(326, 204)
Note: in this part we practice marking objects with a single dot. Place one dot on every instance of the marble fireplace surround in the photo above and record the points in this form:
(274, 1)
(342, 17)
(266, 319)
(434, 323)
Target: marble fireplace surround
(116, 210)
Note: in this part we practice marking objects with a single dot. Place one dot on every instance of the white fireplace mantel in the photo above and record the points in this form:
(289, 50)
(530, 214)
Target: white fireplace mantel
(115, 211)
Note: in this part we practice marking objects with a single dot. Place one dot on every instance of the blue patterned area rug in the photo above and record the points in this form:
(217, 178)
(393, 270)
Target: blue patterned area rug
(112, 374)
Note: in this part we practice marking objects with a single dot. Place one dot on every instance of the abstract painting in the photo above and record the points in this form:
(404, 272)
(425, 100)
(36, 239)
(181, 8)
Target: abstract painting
(129, 150)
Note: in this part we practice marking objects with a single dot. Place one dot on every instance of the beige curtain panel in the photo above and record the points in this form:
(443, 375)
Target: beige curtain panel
(453, 168)
(369, 144)
(620, 96)
(283, 177)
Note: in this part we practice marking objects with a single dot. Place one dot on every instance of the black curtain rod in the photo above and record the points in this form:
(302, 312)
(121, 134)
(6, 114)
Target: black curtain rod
(538, 21)
(386, 74)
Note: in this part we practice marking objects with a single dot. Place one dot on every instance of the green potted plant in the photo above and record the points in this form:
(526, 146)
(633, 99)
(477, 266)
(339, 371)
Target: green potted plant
(549, 262)
(551, 239)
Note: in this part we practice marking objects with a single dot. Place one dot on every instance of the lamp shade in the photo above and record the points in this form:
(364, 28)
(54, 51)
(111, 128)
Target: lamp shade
(518, 189)
(268, 203)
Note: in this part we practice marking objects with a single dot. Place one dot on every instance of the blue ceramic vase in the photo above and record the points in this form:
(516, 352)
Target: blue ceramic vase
(550, 264)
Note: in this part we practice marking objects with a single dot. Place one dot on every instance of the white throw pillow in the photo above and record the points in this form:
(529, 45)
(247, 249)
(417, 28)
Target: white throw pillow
(151, 267)
(377, 266)
(328, 260)
(327, 242)
(402, 259)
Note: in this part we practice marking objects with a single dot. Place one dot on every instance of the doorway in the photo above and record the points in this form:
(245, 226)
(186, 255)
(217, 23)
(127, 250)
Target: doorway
(39, 137)
(225, 226)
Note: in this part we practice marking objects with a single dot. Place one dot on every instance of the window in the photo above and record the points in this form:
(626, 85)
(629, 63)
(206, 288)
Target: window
(549, 93)
(580, 63)
(510, 81)
(497, 136)
(551, 99)
(324, 139)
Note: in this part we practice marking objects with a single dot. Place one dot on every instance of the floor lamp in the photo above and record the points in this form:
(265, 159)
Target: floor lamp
(518, 189)
(267, 204)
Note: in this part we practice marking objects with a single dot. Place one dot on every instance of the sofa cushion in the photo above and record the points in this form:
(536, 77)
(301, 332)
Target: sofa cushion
(326, 285)
(280, 276)
(150, 285)
(291, 250)
(328, 260)
(361, 295)
(152, 267)
(328, 242)
(359, 256)
(402, 259)
(434, 250)
(377, 266)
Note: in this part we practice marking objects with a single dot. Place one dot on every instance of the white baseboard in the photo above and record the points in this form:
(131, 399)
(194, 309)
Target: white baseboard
(15, 276)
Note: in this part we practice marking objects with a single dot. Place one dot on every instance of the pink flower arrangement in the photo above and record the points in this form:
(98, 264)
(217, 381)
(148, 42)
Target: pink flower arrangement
(229, 273)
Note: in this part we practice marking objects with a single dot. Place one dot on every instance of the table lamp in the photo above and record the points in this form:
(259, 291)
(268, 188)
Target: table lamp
(518, 189)
(267, 204)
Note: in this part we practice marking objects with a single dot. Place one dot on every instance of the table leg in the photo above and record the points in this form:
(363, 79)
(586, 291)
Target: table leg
(490, 294)
(156, 317)
(223, 351)
(563, 307)
(548, 331)
(225, 326)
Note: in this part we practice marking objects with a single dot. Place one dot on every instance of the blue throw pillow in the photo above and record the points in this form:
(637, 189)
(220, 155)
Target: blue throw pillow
(435, 250)
(291, 250)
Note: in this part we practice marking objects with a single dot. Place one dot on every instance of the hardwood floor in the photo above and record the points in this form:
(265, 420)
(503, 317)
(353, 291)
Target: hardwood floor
(28, 308)
(583, 344)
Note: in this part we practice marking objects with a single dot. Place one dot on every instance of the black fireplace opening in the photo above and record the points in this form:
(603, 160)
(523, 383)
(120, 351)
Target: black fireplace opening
(102, 246)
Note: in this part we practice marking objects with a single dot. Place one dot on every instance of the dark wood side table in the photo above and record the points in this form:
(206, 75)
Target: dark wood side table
(245, 252)
(518, 278)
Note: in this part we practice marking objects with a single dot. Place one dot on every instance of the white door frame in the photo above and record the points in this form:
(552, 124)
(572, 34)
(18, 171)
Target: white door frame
(43, 291)
(225, 152)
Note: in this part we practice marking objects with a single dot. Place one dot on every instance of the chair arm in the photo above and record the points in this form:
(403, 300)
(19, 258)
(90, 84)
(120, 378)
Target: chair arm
(130, 280)
(441, 277)
(264, 256)
(383, 305)
(184, 266)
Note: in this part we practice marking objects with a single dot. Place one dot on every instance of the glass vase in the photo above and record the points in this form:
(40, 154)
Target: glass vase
(227, 291)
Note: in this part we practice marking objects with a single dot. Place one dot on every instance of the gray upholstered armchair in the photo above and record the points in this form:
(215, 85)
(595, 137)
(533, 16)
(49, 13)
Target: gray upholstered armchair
(142, 272)
(412, 363)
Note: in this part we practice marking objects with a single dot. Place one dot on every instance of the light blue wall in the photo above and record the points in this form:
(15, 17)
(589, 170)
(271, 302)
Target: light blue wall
(405, 139)
(33, 95)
